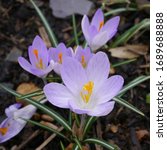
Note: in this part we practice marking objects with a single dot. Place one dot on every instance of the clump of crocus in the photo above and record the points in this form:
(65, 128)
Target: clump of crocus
(14, 123)
(86, 90)
(39, 59)
(97, 33)
(58, 54)
(61, 52)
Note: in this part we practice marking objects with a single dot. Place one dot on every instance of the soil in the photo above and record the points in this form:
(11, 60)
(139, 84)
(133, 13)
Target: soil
(19, 25)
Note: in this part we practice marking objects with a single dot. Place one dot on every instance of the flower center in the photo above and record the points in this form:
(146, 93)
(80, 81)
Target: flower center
(3, 131)
(39, 64)
(87, 90)
(83, 62)
(60, 58)
(101, 25)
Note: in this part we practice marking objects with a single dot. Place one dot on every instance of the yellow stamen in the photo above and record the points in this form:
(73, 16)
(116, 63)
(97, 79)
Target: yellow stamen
(40, 64)
(60, 58)
(87, 90)
(35, 51)
(83, 62)
(3, 131)
(101, 25)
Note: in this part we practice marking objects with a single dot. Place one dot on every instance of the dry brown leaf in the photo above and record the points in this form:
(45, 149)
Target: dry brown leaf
(141, 134)
(47, 118)
(70, 146)
(26, 88)
(114, 128)
(44, 36)
(129, 51)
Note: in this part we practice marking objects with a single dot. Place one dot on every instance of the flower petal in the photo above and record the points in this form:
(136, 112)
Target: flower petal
(73, 75)
(83, 55)
(98, 69)
(75, 108)
(99, 40)
(97, 19)
(11, 109)
(13, 128)
(102, 109)
(25, 64)
(111, 25)
(43, 72)
(109, 89)
(85, 27)
(57, 94)
(38, 44)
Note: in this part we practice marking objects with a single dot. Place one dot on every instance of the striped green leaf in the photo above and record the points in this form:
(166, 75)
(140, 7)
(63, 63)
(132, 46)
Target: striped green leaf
(102, 143)
(46, 24)
(124, 38)
(128, 105)
(88, 125)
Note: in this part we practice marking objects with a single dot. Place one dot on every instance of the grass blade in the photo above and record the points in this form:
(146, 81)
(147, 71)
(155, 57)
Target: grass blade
(119, 10)
(62, 146)
(124, 38)
(33, 94)
(128, 105)
(75, 29)
(75, 147)
(123, 63)
(132, 84)
(102, 143)
(88, 125)
(42, 107)
(78, 143)
(46, 24)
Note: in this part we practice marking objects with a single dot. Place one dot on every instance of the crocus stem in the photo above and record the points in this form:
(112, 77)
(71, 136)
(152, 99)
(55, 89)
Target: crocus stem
(75, 29)
(83, 119)
(44, 81)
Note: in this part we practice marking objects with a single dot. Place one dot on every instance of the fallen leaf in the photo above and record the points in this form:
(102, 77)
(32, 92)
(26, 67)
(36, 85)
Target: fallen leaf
(141, 134)
(129, 51)
(114, 128)
(27, 88)
(70, 147)
(64, 8)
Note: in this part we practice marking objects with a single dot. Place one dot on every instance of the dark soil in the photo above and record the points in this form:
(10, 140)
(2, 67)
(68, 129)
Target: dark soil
(19, 24)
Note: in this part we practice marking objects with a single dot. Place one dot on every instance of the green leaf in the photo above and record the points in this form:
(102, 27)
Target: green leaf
(123, 63)
(88, 125)
(132, 84)
(75, 147)
(62, 146)
(148, 98)
(128, 105)
(124, 38)
(75, 29)
(119, 10)
(33, 94)
(46, 24)
(46, 128)
(102, 143)
(78, 143)
(42, 107)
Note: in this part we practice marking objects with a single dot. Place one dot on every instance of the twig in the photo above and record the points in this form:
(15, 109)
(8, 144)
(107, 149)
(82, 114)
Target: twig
(28, 140)
(48, 140)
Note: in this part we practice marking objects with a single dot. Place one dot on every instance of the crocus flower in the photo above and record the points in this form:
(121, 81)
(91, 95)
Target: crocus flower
(13, 124)
(39, 59)
(83, 55)
(85, 90)
(97, 33)
(58, 54)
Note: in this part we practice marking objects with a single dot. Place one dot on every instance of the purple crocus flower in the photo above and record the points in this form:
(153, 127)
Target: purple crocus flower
(39, 59)
(83, 55)
(58, 54)
(97, 33)
(13, 124)
(86, 90)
